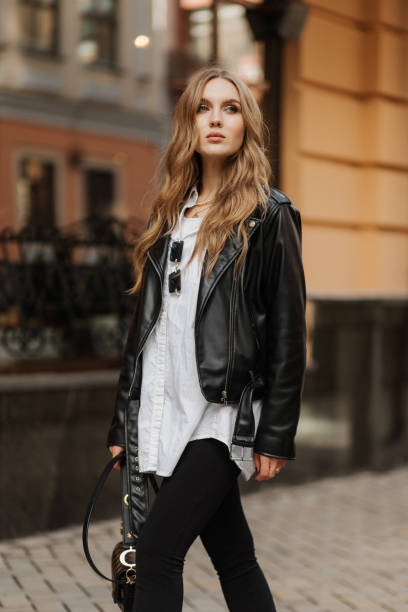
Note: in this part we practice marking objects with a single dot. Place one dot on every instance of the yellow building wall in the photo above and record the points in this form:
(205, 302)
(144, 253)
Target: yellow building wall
(345, 144)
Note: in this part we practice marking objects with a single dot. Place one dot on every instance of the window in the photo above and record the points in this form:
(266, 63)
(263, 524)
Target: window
(98, 33)
(200, 35)
(39, 26)
(237, 49)
(99, 192)
(36, 199)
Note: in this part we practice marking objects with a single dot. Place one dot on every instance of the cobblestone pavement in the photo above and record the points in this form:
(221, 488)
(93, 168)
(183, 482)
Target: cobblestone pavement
(337, 544)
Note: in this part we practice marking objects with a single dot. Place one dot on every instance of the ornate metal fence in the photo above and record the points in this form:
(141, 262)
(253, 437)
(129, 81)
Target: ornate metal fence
(62, 291)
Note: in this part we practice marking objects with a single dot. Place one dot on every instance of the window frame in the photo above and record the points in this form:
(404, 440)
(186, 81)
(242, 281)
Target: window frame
(46, 156)
(113, 18)
(96, 163)
(26, 48)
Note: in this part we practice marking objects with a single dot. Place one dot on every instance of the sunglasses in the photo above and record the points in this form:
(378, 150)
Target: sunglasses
(175, 277)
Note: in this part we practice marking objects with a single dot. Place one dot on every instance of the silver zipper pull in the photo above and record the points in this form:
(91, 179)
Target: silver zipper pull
(224, 396)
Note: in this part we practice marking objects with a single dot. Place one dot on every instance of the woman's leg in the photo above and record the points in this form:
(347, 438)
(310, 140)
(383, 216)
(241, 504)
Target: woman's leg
(229, 543)
(184, 505)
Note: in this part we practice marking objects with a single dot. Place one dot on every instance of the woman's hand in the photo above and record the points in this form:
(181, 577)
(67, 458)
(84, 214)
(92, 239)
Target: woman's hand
(115, 450)
(267, 467)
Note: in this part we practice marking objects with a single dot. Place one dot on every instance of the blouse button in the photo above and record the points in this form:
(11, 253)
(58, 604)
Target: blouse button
(251, 223)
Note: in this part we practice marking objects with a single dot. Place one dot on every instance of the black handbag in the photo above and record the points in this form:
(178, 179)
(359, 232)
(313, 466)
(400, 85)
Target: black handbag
(123, 555)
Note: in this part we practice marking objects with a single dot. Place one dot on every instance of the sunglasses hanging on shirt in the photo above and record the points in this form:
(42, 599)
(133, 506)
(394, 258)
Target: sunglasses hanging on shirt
(175, 276)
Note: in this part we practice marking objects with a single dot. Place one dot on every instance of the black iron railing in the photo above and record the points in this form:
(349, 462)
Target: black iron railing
(62, 290)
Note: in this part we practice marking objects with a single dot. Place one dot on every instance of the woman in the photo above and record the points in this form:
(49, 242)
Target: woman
(219, 334)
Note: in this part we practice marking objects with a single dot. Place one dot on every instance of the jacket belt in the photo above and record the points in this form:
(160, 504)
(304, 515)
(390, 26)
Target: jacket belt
(244, 430)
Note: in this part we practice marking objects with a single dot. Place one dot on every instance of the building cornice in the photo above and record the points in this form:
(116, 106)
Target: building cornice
(83, 115)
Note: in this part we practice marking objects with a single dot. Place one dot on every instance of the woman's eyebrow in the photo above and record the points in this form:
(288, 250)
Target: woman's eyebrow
(206, 101)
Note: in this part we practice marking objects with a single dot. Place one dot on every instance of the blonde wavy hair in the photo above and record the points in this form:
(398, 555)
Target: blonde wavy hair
(244, 182)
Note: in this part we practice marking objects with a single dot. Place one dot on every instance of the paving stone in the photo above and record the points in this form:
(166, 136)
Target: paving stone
(14, 602)
(49, 605)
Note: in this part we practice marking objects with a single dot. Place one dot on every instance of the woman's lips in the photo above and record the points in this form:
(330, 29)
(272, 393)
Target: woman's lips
(216, 138)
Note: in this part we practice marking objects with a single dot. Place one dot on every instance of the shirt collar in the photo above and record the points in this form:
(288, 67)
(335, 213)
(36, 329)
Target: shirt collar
(192, 198)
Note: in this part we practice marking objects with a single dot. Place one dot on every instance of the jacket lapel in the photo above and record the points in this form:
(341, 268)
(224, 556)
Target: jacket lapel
(229, 253)
(232, 247)
(158, 253)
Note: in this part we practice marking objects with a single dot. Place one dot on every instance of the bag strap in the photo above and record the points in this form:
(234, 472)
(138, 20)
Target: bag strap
(95, 494)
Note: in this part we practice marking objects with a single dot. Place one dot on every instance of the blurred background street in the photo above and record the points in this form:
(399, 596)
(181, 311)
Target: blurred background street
(87, 92)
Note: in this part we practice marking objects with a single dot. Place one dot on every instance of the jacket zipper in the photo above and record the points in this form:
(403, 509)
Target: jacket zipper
(224, 393)
(152, 326)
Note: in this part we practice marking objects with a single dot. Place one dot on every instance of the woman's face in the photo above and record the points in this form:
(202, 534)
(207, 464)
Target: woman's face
(219, 112)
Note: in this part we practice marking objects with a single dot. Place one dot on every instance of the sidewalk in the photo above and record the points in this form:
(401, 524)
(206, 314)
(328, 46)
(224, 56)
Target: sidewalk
(334, 545)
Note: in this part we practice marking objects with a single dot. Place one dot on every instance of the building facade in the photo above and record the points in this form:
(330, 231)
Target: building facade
(344, 144)
(82, 107)
(87, 90)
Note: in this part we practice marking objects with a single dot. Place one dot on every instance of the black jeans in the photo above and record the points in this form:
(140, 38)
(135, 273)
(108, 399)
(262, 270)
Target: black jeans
(201, 498)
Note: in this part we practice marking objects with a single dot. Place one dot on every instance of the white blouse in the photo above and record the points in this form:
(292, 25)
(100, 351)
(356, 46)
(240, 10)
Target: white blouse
(173, 410)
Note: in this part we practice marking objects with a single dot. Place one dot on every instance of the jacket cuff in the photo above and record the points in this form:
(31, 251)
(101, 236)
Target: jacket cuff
(272, 446)
(116, 437)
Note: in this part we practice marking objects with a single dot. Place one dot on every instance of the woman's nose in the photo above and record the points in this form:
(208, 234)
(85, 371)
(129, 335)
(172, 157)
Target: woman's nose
(215, 121)
(215, 117)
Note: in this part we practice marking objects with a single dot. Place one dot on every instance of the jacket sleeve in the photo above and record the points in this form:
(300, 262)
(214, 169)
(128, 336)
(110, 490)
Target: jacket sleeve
(284, 284)
(116, 434)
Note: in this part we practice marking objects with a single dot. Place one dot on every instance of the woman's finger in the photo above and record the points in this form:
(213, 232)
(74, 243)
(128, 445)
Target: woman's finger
(264, 468)
(257, 462)
(268, 467)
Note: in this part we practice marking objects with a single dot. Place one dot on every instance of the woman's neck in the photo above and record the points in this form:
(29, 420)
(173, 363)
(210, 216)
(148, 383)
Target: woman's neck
(210, 179)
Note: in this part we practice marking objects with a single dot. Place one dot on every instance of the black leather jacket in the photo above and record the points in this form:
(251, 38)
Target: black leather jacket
(250, 338)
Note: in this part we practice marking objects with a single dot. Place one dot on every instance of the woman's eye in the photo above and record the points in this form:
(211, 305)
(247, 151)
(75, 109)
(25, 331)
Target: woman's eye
(230, 106)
